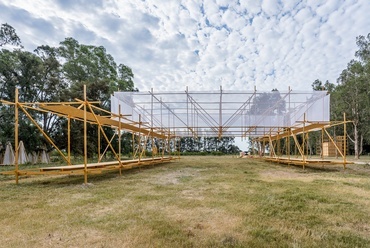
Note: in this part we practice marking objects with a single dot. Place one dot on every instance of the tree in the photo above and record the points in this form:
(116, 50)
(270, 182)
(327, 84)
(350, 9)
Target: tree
(9, 36)
(268, 104)
(19, 69)
(352, 97)
(318, 86)
(92, 66)
(51, 74)
(88, 65)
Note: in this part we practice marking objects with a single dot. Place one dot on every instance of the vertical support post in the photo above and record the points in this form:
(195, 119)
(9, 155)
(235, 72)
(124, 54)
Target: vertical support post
(307, 141)
(85, 136)
(220, 116)
(278, 145)
(139, 147)
(322, 143)
(344, 142)
(169, 134)
(69, 140)
(179, 147)
(187, 108)
(303, 140)
(151, 123)
(162, 141)
(99, 159)
(133, 145)
(119, 139)
(288, 145)
(163, 144)
(16, 127)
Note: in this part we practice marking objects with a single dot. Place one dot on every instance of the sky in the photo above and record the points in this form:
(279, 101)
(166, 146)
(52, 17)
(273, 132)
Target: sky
(202, 45)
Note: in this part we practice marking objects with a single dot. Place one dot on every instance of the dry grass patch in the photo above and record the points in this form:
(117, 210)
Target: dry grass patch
(193, 202)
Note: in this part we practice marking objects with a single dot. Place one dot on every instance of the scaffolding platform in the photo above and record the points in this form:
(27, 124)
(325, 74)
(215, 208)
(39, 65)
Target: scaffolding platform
(92, 168)
(300, 161)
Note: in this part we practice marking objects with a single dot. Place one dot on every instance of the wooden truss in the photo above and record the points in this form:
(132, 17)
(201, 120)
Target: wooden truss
(87, 112)
(300, 155)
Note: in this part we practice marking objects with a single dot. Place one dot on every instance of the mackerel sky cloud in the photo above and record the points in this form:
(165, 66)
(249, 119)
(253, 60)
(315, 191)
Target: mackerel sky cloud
(204, 44)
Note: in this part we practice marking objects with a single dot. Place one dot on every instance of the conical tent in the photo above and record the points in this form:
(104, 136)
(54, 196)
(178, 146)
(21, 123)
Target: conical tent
(29, 157)
(35, 158)
(22, 155)
(1, 153)
(9, 155)
(45, 157)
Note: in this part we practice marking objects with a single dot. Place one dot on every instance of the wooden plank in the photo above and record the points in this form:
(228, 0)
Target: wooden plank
(295, 131)
(76, 113)
(94, 168)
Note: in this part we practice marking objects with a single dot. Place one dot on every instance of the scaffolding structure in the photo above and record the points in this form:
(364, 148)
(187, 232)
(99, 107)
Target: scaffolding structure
(266, 118)
(263, 117)
(223, 113)
(86, 112)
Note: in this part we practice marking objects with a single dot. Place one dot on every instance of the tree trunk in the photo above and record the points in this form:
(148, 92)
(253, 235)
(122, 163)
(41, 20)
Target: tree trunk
(356, 142)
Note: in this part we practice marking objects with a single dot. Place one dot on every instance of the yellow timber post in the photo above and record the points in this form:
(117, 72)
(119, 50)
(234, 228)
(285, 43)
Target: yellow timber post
(344, 141)
(85, 136)
(303, 141)
(322, 143)
(99, 159)
(16, 136)
(139, 139)
(119, 139)
(69, 140)
(133, 145)
(288, 146)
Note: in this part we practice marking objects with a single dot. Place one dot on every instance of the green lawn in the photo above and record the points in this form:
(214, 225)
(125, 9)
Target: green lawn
(206, 201)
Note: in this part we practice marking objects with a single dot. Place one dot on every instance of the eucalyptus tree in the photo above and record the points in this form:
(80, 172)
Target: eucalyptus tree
(92, 66)
(353, 94)
(9, 36)
(22, 70)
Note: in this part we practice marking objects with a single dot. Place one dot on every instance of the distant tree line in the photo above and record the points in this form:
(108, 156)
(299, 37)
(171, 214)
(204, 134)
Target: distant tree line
(213, 145)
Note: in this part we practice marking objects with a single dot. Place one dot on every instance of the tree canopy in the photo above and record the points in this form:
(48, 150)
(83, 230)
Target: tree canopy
(351, 95)
(55, 74)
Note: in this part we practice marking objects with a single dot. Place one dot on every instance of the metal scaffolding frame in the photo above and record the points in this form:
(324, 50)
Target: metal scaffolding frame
(264, 117)
(223, 113)
(163, 117)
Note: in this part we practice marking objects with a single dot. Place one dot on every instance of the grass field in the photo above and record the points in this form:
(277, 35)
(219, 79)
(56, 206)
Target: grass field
(193, 202)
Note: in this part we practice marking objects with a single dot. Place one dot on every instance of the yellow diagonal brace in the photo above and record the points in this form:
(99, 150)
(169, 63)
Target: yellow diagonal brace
(105, 136)
(45, 134)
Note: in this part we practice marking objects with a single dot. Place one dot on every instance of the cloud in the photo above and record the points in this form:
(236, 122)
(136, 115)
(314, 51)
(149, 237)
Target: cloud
(202, 44)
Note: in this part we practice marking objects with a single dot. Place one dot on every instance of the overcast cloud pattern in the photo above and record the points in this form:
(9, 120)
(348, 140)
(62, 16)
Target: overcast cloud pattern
(204, 44)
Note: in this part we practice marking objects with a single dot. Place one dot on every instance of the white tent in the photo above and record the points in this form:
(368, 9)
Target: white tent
(22, 155)
(9, 155)
(32, 157)
(35, 158)
(1, 154)
(45, 159)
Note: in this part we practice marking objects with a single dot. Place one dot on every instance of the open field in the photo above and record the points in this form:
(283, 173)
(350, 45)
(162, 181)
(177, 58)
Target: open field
(207, 201)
